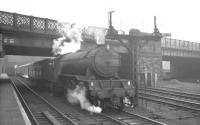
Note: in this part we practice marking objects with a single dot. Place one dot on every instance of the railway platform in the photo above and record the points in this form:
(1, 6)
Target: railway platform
(11, 110)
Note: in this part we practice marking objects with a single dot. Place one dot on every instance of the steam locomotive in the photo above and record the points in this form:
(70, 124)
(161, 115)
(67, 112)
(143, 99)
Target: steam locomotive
(96, 69)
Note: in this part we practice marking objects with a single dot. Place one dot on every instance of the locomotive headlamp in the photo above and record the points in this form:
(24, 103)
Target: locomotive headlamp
(129, 83)
(107, 46)
(92, 84)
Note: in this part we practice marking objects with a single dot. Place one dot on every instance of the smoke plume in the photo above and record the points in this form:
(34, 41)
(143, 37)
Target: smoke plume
(73, 35)
(78, 96)
(97, 33)
(70, 40)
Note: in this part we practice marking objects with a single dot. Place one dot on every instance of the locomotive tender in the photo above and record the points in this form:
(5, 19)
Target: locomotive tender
(95, 69)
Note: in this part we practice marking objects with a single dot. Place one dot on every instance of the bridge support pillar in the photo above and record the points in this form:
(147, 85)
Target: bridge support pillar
(184, 69)
(2, 63)
(1, 45)
(1, 54)
(172, 69)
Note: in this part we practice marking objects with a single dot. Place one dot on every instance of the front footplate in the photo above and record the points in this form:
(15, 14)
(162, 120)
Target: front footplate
(111, 88)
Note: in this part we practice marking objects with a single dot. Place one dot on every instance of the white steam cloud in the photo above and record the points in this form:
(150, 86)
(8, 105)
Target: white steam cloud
(73, 35)
(4, 76)
(70, 40)
(98, 33)
(78, 96)
(25, 76)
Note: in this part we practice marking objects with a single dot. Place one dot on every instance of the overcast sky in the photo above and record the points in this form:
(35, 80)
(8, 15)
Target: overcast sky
(181, 18)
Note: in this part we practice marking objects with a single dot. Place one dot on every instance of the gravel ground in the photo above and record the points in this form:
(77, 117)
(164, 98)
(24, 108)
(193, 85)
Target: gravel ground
(181, 86)
(171, 115)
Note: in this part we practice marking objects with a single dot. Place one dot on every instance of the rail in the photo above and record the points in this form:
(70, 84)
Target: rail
(41, 111)
(128, 118)
(185, 101)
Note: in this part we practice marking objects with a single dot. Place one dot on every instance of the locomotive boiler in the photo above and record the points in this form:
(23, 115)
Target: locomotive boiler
(95, 69)
(99, 63)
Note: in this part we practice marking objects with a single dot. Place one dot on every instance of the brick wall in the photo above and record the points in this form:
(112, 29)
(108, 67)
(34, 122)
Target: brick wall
(149, 59)
(149, 62)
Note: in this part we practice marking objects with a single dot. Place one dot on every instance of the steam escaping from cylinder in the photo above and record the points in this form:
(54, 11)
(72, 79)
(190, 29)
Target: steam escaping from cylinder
(72, 36)
(4, 76)
(78, 96)
(25, 76)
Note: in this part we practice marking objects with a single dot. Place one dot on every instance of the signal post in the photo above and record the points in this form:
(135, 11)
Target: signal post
(134, 38)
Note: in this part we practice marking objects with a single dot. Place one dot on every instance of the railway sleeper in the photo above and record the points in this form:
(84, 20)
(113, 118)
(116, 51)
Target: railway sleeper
(51, 118)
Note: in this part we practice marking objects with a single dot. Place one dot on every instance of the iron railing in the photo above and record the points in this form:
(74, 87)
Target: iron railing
(14, 22)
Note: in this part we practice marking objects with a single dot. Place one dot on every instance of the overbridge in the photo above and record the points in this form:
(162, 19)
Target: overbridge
(184, 58)
(26, 35)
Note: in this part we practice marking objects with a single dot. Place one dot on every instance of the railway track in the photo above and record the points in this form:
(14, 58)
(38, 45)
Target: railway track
(127, 118)
(170, 97)
(75, 118)
(117, 118)
(39, 111)
(173, 93)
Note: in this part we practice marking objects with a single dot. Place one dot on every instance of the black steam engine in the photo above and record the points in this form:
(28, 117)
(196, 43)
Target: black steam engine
(95, 69)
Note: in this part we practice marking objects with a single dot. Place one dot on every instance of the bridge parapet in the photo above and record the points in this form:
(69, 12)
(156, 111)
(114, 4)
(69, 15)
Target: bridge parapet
(180, 44)
(13, 22)
(180, 48)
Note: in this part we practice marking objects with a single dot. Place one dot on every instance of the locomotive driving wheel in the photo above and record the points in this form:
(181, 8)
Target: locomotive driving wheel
(52, 88)
(57, 88)
(122, 104)
(65, 90)
(132, 101)
(97, 102)
(69, 85)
